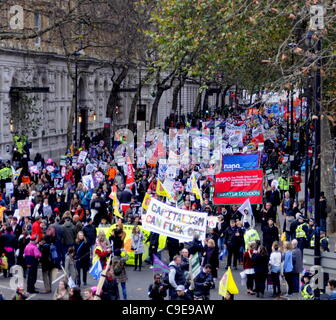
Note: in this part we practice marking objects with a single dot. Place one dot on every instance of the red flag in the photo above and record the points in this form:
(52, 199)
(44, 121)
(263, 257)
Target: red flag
(130, 180)
(258, 139)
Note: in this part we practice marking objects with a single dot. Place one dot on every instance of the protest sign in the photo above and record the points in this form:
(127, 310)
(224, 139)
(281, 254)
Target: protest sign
(24, 208)
(212, 221)
(82, 156)
(240, 162)
(88, 181)
(172, 172)
(162, 170)
(237, 186)
(58, 183)
(173, 222)
(9, 188)
(63, 160)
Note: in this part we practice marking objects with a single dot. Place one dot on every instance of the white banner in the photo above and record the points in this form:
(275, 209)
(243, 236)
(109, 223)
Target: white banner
(82, 156)
(173, 222)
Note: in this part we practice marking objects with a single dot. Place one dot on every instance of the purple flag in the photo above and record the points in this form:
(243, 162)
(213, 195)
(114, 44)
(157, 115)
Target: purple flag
(158, 265)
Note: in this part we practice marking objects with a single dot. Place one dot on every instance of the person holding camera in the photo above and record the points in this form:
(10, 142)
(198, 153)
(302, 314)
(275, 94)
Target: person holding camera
(203, 283)
(157, 291)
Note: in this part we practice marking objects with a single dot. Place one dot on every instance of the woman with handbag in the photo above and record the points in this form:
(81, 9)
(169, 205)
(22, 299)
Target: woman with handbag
(138, 246)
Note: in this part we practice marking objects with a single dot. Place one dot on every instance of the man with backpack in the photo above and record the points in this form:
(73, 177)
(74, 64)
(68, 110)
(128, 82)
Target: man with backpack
(49, 261)
(119, 269)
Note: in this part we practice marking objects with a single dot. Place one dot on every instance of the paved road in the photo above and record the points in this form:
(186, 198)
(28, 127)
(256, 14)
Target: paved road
(137, 284)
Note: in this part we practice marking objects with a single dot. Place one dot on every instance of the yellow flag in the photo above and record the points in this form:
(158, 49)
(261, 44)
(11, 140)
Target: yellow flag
(195, 189)
(227, 284)
(161, 190)
(116, 205)
(146, 201)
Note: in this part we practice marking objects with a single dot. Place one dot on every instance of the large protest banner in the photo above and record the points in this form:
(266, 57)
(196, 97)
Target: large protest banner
(174, 222)
(128, 240)
(237, 186)
(240, 162)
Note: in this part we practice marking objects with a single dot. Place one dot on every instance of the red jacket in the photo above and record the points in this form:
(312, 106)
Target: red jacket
(37, 230)
(247, 261)
(297, 183)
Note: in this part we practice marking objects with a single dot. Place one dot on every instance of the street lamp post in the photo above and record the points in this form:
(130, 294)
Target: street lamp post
(317, 171)
(76, 100)
(76, 54)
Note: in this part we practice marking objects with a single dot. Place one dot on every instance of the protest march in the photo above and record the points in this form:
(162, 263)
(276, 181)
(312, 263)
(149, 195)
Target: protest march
(211, 205)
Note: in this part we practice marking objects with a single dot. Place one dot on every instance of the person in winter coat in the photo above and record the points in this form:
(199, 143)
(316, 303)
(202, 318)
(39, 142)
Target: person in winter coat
(90, 234)
(248, 266)
(270, 234)
(157, 291)
(275, 263)
(82, 257)
(37, 229)
(233, 240)
(110, 287)
(70, 265)
(211, 257)
(176, 276)
(153, 240)
(47, 263)
(10, 244)
(138, 239)
(287, 258)
(173, 247)
(32, 255)
(260, 260)
(69, 234)
(119, 269)
(101, 250)
(196, 247)
(22, 243)
(297, 266)
(203, 283)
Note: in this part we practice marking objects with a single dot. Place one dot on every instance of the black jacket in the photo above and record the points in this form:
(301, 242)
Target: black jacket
(90, 233)
(260, 263)
(157, 292)
(230, 238)
(273, 197)
(203, 283)
(270, 234)
(110, 290)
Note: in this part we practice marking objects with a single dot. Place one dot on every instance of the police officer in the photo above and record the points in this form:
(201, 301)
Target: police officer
(251, 235)
(324, 241)
(301, 233)
(306, 290)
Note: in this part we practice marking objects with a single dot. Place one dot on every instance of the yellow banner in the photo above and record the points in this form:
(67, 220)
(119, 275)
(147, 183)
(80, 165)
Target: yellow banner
(128, 241)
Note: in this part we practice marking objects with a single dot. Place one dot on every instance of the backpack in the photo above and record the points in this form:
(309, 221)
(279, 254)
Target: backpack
(53, 252)
(117, 268)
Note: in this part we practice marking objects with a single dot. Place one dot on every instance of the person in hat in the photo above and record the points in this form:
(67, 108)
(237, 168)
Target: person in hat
(182, 294)
(306, 289)
(301, 233)
(324, 241)
(311, 231)
(250, 235)
(32, 255)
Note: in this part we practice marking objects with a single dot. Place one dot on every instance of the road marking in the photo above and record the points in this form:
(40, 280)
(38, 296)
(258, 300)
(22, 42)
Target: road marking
(8, 288)
(60, 277)
(32, 296)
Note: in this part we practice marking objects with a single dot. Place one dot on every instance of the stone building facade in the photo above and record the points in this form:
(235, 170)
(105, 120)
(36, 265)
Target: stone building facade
(22, 68)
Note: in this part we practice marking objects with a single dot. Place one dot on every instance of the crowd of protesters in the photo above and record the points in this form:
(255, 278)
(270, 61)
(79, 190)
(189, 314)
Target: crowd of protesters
(60, 231)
